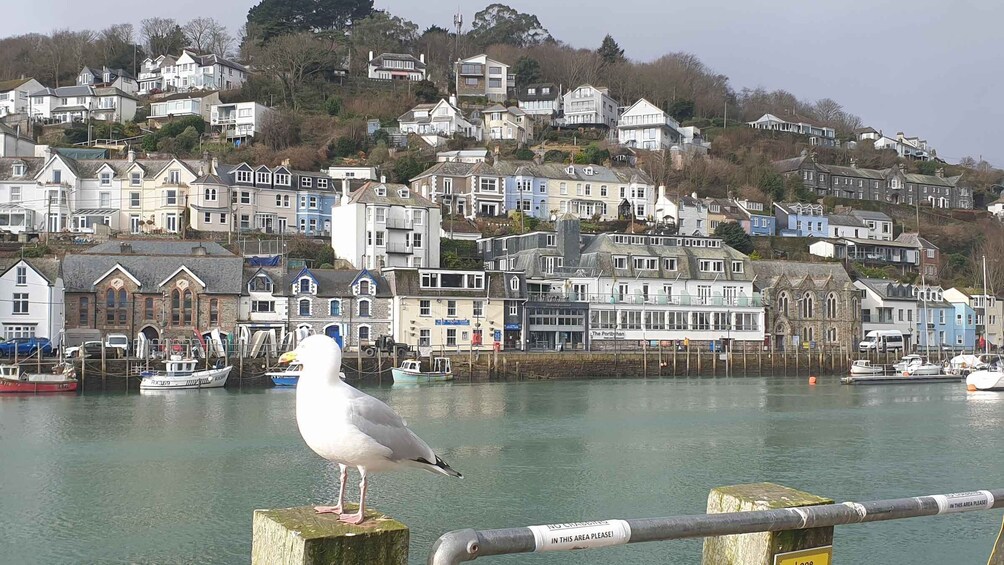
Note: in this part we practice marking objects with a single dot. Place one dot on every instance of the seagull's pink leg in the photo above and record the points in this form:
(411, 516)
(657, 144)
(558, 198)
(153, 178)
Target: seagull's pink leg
(358, 517)
(336, 509)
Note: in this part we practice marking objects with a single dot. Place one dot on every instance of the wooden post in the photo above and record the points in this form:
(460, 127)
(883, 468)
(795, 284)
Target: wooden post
(761, 547)
(644, 358)
(104, 367)
(300, 536)
(688, 359)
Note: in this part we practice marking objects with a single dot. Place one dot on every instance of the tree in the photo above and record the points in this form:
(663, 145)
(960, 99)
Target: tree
(425, 91)
(333, 106)
(162, 36)
(682, 109)
(734, 236)
(610, 52)
(207, 35)
(293, 59)
(501, 24)
(527, 71)
(381, 32)
(406, 168)
(117, 47)
(271, 18)
(280, 130)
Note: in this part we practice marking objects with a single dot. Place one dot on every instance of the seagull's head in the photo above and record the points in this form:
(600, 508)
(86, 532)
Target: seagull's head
(319, 355)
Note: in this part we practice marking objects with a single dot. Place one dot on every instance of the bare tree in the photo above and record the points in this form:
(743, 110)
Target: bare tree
(206, 35)
(162, 36)
(292, 59)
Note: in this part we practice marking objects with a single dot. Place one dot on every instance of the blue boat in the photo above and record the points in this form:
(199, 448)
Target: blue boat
(287, 377)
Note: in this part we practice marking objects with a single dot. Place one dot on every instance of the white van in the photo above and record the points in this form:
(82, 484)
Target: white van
(882, 341)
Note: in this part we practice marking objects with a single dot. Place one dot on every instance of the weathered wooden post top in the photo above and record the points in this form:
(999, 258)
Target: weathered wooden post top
(301, 536)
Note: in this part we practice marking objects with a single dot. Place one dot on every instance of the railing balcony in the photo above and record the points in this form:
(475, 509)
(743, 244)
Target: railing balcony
(399, 248)
(399, 224)
(755, 301)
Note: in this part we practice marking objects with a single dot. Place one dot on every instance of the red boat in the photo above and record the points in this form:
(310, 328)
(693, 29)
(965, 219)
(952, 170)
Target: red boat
(62, 379)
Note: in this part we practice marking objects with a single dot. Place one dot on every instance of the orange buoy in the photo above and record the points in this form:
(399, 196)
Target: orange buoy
(906, 373)
(971, 388)
(812, 380)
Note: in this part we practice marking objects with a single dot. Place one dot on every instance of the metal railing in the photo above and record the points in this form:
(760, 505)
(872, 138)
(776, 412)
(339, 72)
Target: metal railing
(459, 546)
(657, 299)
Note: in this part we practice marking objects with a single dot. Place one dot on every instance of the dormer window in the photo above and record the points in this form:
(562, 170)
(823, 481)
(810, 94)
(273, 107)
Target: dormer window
(570, 170)
(306, 182)
(263, 177)
(403, 193)
(260, 283)
(282, 179)
(304, 285)
(18, 169)
(531, 91)
(588, 170)
(243, 176)
(381, 190)
(364, 287)
(322, 183)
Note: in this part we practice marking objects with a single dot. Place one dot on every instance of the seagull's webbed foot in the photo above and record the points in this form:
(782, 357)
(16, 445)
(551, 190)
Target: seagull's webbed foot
(329, 509)
(352, 518)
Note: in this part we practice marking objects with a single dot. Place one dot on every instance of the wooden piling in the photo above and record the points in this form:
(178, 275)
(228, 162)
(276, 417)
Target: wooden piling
(300, 536)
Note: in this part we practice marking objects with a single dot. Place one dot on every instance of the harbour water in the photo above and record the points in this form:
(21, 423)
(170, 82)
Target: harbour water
(174, 477)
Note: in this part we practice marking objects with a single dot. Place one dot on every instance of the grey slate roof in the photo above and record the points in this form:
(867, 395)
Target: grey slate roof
(457, 169)
(524, 95)
(870, 215)
(378, 61)
(221, 273)
(846, 220)
(50, 268)
(32, 164)
(367, 194)
(336, 283)
(79, 90)
(157, 247)
(769, 273)
(407, 282)
(914, 239)
(889, 289)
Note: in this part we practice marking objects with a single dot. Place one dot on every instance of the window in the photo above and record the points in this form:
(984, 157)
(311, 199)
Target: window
(148, 308)
(207, 218)
(669, 263)
(364, 308)
(364, 333)
(711, 266)
(21, 276)
(831, 307)
(282, 178)
(260, 283)
(134, 200)
(304, 284)
(282, 200)
(84, 310)
(424, 308)
(645, 263)
(187, 307)
(782, 303)
(262, 306)
(304, 307)
(174, 177)
(513, 310)
(15, 194)
(210, 195)
(424, 338)
(807, 305)
(451, 308)
(335, 308)
(263, 177)
(451, 336)
(245, 197)
(243, 176)
(620, 262)
(737, 266)
(364, 287)
(105, 179)
(416, 240)
(306, 182)
(223, 218)
(170, 197)
(479, 309)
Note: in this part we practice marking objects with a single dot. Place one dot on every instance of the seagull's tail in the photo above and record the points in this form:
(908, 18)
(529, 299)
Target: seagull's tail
(439, 466)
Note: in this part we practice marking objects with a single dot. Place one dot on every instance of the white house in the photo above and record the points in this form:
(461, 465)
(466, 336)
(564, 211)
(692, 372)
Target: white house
(591, 106)
(688, 213)
(997, 208)
(33, 289)
(14, 95)
(397, 66)
(645, 126)
(13, 144)
(67, 104)
(479, 155)
(818, 135)
(846, 225)
(238, 121)
(440, 119)
(150, 77)
(888, 305)
(192, 71)
(184, 104)
(115, 78)
(879, 225)
(482, 77)
(264, 302)
(386, 225)
(542, 99)
(507, 124)
(351, 172)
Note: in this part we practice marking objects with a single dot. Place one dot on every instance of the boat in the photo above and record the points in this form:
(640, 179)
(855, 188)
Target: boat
(906, 361)
(182, 373)
(287, 377)
(990, 377)
(62, 379)
(919, 367)
(899, 379)
(965, 364)
(865, 367)
(411, 371)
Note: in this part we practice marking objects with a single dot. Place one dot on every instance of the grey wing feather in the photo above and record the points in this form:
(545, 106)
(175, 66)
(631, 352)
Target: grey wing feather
(386, 427)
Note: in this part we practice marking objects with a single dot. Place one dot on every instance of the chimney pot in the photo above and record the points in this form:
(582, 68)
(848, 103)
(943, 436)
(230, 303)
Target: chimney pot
(421, 57)
(131, 155)
(371, 57)
(383, 178)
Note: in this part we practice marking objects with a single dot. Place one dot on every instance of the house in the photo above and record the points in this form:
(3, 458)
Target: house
(150, 78)
(479, 155)
(588, 105)
(463, 189)
(867, 251)
(646, 126)
(183, 105)
(447, 311)
(396, 66)
(888, 305)
(904, 146)
(525, 187)
(459, 229)
(383, 225)
(20, 208)
(114, 78)
(929, 253)
(34, 298)
(893, 185)
(14, 95)
(799, 219)
(588, 191)
(809, 305)
(818, 135)
(942, 324)
(758, 220)
(264, 302)
(483, 77)
(722, 211)
(194, 71)
(67, 104)
(237, 122)
(507, 124)
(440, 120)
(351, 172)
(13, 144)
(352, 307)
(688, 213)
(613, 290)
(997, 208)
(541, 99)
(986, 308)
(162, 289)
(846, 225)
(879, 225)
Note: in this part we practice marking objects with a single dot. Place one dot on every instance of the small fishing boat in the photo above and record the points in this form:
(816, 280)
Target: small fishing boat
(411, 371)
(865, 367)
(181, 373)
(62, 379)
(287, 377)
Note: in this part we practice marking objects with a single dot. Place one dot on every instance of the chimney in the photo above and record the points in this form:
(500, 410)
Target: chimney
(383, 178)
(854, 163)
(568, 235)
(453, 99)
(285, 163)
(214, 163)
(131, 155)
(199, 251)
(125, 248)
(345, 187)
(662, 192)
(371, 57)
(421, 57)
(940, 172)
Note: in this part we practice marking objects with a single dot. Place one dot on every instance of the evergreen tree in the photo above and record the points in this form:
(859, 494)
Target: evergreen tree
(734, 236)
(610, 52)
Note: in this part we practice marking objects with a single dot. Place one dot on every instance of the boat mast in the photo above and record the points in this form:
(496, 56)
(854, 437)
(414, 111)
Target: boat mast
(986, 342)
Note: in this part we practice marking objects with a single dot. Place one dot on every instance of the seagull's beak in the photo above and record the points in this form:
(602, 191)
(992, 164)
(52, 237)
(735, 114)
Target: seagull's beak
(287, 357)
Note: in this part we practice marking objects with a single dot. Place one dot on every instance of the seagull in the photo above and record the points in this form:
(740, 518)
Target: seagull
(349, 427)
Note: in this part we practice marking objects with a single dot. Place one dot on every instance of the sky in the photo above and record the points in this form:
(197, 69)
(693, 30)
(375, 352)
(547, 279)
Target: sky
(928, 68)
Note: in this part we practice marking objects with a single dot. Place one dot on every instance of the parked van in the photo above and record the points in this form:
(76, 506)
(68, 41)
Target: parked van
(883, 340)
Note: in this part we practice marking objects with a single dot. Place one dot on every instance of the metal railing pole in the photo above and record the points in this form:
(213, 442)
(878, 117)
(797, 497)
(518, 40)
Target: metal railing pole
(460, 546)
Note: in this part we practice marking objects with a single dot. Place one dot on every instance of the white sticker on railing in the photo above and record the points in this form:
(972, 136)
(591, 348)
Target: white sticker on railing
(964, 501)
(580, 535)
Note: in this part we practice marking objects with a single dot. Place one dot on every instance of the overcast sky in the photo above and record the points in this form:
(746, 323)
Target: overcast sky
(925, 67)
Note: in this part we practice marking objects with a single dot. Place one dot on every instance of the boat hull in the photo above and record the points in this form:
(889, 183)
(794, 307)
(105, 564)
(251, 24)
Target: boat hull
(211, 378)
(899, 379)
(10, 386)
(985, 380)
(284, 380)
(402, 376)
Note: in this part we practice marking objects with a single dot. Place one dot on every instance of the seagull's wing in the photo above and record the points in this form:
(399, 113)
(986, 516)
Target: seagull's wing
(379, 421)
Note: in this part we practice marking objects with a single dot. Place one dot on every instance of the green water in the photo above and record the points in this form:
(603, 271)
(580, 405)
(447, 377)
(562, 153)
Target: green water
(174, 477)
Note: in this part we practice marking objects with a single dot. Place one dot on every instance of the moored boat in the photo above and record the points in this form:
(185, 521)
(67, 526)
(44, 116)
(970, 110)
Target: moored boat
(181, 373)
(287, 377)
(411, 371)
(919, 367)
(62, 379)
(865, 367)
(990, 377)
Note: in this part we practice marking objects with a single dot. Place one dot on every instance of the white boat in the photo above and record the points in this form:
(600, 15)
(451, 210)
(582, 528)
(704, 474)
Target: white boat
(865, 367)
(918, 367)
(182, 373)
(965, 364)
(906, 361)
(411, 371)
(990, 377)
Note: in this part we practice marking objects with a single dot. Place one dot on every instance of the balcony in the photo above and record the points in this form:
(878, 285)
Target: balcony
(399, 248)
(399, 224)
(755, 301)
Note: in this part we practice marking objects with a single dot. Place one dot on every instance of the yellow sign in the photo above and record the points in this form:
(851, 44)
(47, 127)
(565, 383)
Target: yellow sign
(814, 556)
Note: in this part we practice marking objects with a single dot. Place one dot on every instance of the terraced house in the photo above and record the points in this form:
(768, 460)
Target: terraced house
(464, 189)
(588, 191)
(352, 307)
